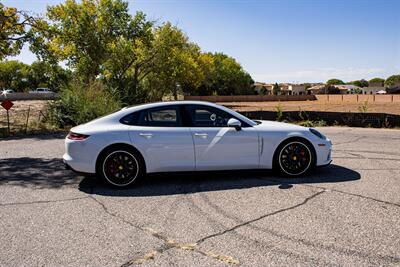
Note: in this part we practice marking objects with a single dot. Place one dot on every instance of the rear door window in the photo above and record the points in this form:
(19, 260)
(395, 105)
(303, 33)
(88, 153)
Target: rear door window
(161, 117)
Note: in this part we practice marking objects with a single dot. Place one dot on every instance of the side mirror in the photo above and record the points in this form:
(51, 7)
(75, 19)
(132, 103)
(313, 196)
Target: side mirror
(235, 123)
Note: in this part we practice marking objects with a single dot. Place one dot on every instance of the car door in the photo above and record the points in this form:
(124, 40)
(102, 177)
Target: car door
(165, 143)
(219, 147)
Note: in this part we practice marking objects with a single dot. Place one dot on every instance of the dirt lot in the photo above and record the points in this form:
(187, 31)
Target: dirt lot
(316, 105)
(19, 112)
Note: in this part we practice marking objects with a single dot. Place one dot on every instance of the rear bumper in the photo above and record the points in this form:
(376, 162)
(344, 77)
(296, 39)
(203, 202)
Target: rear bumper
(77, 165)
(68, 167)
(80, 155)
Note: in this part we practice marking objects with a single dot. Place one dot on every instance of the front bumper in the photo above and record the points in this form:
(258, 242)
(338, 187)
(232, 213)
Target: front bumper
(324, 165)
(324, 152)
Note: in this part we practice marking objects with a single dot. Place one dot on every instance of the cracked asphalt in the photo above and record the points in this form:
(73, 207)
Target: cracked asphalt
(347, 214)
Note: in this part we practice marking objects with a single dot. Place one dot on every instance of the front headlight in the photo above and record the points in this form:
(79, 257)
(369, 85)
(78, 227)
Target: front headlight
(317, 133)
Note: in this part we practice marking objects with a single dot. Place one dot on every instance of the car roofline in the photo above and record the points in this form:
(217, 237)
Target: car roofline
(127, 110)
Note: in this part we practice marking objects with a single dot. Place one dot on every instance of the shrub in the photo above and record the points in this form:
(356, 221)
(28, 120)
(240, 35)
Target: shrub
(320, 123)
(279, 112)
(309, 123)
(364, 107)
(303, 115)
(79, 104)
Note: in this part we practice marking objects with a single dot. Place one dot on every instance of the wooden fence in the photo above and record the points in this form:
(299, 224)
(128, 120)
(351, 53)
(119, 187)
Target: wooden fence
(325, 98)
(30, 96)
(359, 98)
(244, 98)
(251, 98)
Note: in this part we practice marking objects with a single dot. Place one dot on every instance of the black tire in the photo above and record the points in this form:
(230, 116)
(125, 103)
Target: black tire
(120, 166)
(294, 157)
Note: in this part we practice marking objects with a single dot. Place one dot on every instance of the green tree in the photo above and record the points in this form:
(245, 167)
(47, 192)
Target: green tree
(176, 67)
(228, 76)
(130, 60)
(206, 65)
(12, 30)
(180, 67)
(334, 82)
(14, 75)
(38, 74)
(392, 80)
(377, 80)
(86, 34)
(43, 74)
(136, 61)
(276, 89)
(359, 83)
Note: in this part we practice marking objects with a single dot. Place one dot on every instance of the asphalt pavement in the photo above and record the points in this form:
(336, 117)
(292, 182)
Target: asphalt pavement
(347, 214)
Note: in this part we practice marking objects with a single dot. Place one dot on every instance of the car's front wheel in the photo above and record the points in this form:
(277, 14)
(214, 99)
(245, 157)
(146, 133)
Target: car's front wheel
(294, 158)
(120, 166)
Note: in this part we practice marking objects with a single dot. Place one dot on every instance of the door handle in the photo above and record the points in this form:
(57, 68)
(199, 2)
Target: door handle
(204, 135)
(146, 135)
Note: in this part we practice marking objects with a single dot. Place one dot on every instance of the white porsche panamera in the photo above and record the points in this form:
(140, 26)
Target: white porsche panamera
(189, 136)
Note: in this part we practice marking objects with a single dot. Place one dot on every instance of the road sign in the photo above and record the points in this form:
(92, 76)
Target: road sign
(7, 104)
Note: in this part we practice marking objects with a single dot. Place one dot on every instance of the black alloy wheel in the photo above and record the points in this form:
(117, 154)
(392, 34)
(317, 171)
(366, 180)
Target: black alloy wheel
(120, 168)
(295, 158)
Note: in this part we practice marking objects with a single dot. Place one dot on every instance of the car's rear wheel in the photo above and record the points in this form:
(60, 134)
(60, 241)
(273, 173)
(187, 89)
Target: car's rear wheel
(294, 158)
(120, 166)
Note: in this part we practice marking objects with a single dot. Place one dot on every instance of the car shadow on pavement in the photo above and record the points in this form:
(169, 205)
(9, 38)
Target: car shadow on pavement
(193, 182)
(50, 173)
(36, 172)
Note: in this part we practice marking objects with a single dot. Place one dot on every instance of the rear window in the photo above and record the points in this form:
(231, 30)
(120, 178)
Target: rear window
(163, 117)
(131, 119)
(156, 117)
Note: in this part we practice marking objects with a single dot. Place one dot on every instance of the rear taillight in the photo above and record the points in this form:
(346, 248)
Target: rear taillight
(76, 136)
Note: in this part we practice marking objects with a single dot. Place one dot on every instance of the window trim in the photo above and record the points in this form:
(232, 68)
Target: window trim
(183, 115)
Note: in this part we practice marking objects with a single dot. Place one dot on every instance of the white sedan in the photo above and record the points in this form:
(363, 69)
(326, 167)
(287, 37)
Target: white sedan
(41, 91)
(189, 136)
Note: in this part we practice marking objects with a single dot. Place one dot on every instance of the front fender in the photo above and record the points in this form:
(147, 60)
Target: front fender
(271, 141)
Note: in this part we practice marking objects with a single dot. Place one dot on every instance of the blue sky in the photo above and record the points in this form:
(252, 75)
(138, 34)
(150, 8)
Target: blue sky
(282, 40)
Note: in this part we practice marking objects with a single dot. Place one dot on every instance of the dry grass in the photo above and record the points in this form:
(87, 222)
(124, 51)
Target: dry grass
(316, 105)
(18, 116)
(18, 113)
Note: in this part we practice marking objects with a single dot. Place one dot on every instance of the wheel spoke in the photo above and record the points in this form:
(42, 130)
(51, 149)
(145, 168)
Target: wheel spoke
(120, 168)
(295, 158)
